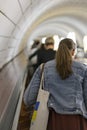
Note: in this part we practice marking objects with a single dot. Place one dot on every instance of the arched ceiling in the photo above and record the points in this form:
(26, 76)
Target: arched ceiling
(23, 20)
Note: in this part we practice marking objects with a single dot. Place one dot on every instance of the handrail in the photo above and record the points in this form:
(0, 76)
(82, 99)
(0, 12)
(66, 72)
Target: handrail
(18, 109)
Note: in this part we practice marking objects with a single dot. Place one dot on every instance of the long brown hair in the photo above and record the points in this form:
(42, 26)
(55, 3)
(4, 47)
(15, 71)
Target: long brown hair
(64, 58)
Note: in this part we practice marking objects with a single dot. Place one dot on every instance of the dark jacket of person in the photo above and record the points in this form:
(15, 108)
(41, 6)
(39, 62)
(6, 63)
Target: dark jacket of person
(45, 55)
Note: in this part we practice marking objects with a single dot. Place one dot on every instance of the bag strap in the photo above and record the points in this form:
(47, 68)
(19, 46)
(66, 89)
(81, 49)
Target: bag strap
(42, 75)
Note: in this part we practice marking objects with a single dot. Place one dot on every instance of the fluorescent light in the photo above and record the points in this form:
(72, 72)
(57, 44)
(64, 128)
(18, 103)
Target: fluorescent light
(56, 42)
(72, 36)
(43, 40)
(85, 43)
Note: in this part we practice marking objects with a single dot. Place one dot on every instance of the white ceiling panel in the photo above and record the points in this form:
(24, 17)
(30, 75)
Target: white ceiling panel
(6, 27)
(3, 43)
(17, 31)
(12, 43)
(40, 4)
(25, 4)
(18, 48)
(3, 54)
(11, 9)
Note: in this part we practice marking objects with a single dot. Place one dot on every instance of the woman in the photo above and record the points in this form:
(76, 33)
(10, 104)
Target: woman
(66, 80)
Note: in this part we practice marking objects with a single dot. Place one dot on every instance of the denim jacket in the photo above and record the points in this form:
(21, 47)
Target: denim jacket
(67, 96)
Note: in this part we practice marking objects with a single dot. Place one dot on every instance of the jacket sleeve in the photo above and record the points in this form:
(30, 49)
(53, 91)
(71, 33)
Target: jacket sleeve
(30, 94)
(85, 89)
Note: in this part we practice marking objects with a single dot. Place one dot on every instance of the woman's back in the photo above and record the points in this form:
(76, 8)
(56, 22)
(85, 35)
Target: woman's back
(66, 96)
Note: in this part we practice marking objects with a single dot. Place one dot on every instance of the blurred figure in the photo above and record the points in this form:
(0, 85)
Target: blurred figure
(32, 61)
(44, 53)
(34, 49)
(39, 51)
(66, 80)
(35, 44)
(48, 53)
